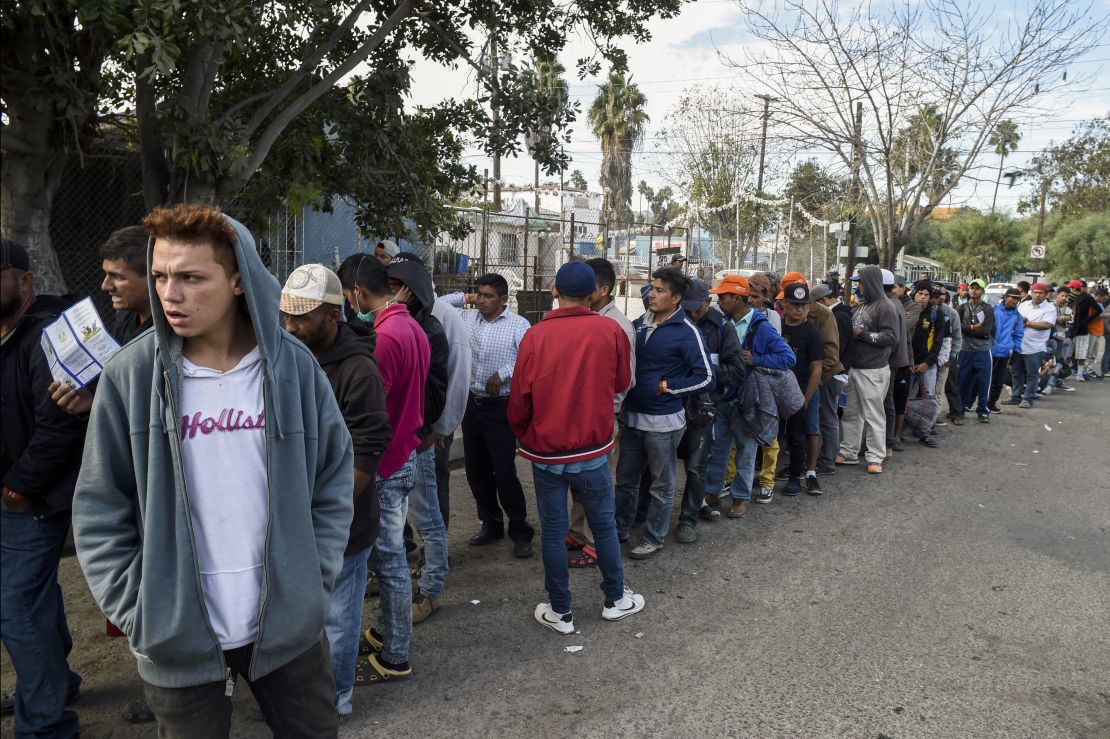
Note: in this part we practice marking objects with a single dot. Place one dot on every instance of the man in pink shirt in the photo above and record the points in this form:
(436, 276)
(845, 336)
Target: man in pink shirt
(403, 356)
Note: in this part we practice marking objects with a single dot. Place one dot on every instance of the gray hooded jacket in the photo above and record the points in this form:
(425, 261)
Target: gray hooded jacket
(880, 320)
(132, 522)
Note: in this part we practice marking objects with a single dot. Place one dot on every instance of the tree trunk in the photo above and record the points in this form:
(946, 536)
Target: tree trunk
(29, 179)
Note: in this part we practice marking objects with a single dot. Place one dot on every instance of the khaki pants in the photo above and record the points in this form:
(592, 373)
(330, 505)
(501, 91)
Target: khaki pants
(867, 390)
(770, 464)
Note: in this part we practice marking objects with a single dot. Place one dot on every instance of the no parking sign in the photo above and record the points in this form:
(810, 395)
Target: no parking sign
(1037, 251)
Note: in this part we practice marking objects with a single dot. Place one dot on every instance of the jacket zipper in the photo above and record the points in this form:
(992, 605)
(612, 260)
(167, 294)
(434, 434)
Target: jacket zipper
(176, 445)
(269, 522)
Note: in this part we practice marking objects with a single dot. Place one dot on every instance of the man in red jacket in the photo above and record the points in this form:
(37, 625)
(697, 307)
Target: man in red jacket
(568, 369)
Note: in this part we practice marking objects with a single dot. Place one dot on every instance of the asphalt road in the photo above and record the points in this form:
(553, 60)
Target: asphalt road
(963, 593)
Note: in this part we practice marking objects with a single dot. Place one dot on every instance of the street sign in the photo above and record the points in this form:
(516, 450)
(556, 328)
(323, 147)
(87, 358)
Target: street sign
(1037, 251)
(835, 228)
(672, 250)
(861, 252)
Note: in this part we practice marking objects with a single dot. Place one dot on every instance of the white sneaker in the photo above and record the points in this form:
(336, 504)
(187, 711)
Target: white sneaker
(628, 605)
(560, 623)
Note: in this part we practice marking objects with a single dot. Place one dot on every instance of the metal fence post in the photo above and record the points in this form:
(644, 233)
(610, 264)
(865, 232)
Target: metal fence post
(570, 258)
(524, 277)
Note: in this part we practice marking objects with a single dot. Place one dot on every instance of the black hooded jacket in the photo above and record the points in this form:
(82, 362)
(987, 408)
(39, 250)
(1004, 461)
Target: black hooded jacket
(415, 276)
(353, 374)
(40, 444)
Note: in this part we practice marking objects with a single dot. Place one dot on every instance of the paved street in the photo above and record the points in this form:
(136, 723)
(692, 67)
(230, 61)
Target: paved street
(963, 593)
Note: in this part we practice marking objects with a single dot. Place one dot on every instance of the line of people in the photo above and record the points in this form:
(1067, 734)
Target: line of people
(259, 458)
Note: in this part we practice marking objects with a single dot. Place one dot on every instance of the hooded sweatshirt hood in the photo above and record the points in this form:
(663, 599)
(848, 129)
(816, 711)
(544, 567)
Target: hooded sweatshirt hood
(416, 278)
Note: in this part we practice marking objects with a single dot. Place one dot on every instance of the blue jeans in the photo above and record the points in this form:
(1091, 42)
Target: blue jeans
(1025, 374)
(33, 623)
(697, 441)
(656, 451)
(388, 560)
(828, 396)
(594, 490)
(975, 379)
(344, 624)
(428, 522)
(728, 429)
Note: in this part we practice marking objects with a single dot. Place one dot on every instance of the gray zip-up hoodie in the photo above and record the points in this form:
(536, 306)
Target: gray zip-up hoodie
(880, 320)
(132, 522)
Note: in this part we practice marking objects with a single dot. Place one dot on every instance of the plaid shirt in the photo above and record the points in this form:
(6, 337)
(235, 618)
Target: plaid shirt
(493, 345)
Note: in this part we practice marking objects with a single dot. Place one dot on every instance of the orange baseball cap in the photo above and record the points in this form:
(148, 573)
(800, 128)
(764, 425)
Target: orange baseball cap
(731, 285)
(789, 279)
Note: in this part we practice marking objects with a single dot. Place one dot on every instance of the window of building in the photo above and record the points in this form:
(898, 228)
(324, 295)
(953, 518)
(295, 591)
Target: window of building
(508, 247)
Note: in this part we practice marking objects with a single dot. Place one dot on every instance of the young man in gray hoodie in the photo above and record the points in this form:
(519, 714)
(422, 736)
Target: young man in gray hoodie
(876, 330)
(215, 496)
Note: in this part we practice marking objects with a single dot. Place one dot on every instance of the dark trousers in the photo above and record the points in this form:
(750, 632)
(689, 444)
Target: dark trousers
(443, 479)
(794, 429)
(975, 379)
(952, 390)
(297, 699)
(1000, 375)
(490, 450)
(33, 624)
(695, 447)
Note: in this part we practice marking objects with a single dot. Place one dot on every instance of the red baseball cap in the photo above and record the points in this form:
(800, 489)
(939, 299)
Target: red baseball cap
(1043, 287)
(1076, 284)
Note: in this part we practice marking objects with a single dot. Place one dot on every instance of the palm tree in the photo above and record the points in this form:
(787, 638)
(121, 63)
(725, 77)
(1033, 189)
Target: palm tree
(617, 119)
(1004, 139)
(545, 78)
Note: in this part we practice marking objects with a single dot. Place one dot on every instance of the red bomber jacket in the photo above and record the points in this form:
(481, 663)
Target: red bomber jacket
(568, 368)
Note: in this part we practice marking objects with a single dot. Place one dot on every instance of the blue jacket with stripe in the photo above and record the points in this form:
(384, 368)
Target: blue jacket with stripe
(673, 351)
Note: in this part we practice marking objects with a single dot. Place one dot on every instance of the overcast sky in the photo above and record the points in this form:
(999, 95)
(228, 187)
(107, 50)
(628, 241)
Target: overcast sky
(686, 52)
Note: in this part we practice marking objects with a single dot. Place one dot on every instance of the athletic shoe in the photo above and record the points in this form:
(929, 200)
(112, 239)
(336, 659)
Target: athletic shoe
(994, 408)
(764, 495)
(813, 486)
(984, 418)
(793, 486)
(828, 470)
(1025, 404)
(896, 445)
(783, 474)
(1067, 389)
(645, 550)
(560, 623)
(629, 604)
(1011, 401)
(708, 514)
(942, 423)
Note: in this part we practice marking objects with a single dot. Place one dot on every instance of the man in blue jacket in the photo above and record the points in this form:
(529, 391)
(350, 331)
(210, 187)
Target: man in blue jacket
(215, 495)
(671, 365)
(1009, 329)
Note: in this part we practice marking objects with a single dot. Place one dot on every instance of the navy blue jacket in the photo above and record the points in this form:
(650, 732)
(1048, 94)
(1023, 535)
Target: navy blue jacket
(675, 352)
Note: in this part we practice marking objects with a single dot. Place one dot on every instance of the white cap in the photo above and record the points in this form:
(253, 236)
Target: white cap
(308, 287)
(389, 248)
(888, 277)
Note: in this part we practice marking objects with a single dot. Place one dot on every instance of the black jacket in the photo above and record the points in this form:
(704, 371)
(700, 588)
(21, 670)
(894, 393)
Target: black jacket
(1085, 311)
(353, 374)
(40, 444)
(929, 332)
(843, 315)
(720, 339)
(126, 326)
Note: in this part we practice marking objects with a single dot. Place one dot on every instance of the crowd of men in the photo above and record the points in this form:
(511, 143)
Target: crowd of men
(259, 458)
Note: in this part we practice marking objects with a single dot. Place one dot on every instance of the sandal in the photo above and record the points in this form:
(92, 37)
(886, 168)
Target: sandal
(572, 545)
(137, 713)
(369, 671)
(584, 557)
(368, 643)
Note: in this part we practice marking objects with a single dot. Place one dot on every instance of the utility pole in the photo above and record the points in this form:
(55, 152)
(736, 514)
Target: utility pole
(767, 100)
(856, 155)
(495, 117)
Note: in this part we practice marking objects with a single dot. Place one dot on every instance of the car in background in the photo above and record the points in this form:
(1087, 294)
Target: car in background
(994, 292)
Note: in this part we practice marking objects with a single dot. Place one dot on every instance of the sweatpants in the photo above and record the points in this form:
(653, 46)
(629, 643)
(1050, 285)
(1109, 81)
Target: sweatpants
(975, 380)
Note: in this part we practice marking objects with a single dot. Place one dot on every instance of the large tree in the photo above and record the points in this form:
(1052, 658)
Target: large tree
(617, 119)
(983, 244)
(213, 88)
(1074, 174)
(1005, 140)
(933, 81)
(1081, 247)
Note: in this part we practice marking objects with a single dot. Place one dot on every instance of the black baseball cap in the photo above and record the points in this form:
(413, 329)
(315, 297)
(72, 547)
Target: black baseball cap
(796, 292)
(13, 255)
